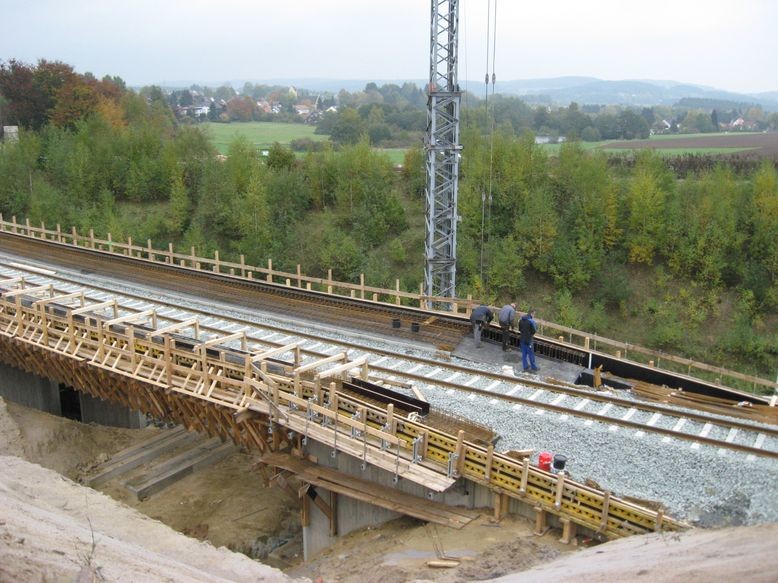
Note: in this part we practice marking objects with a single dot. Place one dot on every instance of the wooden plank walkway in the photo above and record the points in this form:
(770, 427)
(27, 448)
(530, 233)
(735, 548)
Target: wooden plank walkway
(365, 491)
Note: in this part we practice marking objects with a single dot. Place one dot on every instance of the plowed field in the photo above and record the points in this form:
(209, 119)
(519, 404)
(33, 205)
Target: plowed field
(760, 145)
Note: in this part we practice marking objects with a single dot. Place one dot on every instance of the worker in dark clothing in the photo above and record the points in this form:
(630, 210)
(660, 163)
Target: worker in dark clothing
(527, 329)
(506, 318)
(480, 317)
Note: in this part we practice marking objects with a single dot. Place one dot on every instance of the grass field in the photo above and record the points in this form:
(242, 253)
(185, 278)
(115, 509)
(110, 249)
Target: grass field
(263, 134)
(260, 133)
(396, 155)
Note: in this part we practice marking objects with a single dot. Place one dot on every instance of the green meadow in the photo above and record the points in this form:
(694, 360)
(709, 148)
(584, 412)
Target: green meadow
(262, 134)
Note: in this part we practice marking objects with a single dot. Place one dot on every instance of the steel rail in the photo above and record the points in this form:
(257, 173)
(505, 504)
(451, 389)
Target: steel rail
(668, 411)
(450, 320)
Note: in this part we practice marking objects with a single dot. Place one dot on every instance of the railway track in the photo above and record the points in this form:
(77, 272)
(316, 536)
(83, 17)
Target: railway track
(444, 331)
(437, 377)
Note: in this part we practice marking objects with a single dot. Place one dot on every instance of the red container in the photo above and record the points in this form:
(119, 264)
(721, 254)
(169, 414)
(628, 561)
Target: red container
(544, 461)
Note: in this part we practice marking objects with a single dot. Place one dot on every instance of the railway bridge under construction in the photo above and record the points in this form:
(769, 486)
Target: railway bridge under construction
(360, 450)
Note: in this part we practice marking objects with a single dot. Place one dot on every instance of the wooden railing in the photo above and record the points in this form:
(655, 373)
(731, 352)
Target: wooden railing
(458, 306)
(245, 392)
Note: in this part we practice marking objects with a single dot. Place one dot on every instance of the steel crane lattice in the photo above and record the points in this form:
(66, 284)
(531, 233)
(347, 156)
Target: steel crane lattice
(442, 152)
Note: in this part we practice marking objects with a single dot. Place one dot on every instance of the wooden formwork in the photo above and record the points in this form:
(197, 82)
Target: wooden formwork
(259, 402)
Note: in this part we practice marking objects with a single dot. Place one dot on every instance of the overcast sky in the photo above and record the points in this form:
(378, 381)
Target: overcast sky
(719, 43)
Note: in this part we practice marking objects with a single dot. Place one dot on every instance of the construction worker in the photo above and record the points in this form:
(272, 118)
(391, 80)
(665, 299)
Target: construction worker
(506, 318)
(527, 329)
(480, 317)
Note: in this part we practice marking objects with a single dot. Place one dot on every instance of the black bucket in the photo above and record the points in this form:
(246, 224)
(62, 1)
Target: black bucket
(415, 326)
(396, 323)
(559, 462)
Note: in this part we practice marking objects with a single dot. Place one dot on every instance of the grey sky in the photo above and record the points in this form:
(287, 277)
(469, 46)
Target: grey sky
(718, 43)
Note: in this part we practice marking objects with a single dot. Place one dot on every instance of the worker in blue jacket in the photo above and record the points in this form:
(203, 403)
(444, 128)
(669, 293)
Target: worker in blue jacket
(527, 329)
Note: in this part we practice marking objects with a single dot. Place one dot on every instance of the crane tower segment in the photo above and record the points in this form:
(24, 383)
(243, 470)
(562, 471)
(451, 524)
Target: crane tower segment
(442, 152)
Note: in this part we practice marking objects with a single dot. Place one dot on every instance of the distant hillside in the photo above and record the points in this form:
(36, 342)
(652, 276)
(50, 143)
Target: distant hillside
(556, 90)
(587, 90)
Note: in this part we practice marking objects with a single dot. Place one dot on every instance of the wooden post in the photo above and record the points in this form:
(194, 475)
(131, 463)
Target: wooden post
(540, 521)
(524, 476)
(194, 257)
(110, 242)
(242, 265)
(659, 517)
(299, 276)
(390, 417)
(501, 501)
(170, 256)
(397, 289)
(334, 516)
(91, 238)
(149, 250)
(74, 234)
(216, 268)
(362, 286)
(560, 488)
(129, 246)
(606, 500)
(460, 452)
(329, 281)
(489, 458)
(568, 530)
(269, 271)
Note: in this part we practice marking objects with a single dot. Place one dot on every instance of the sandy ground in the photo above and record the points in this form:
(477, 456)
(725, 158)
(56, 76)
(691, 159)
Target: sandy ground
(52, 529)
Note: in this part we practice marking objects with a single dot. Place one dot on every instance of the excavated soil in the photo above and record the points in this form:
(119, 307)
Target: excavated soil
(52, 529)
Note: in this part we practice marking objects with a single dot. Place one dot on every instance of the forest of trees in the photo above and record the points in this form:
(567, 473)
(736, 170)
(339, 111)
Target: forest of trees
(689, 265)
(394, 115)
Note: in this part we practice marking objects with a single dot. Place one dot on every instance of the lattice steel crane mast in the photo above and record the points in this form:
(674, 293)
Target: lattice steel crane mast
(442, 151)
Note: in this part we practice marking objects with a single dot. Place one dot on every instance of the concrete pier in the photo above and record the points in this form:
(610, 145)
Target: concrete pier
(45, 395)
(29, 390)
(354, 514)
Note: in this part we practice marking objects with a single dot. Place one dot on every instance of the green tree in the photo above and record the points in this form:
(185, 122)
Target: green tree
(349, 127)
(632, 126)
(764, 244)
(645, 207)
(75, 101)
(18, 168)
(279, 157)
(180, 206)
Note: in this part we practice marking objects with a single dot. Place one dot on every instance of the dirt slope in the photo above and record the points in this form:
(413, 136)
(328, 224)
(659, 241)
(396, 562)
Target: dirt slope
(53, 529)
(699, 556)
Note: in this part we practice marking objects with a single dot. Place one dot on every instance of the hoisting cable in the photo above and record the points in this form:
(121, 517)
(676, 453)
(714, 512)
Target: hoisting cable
(486, 197)
(486, 125)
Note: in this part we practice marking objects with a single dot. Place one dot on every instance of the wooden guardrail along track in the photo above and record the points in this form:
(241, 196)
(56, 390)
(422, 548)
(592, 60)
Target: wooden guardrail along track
(258, 401)
(460, 307)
